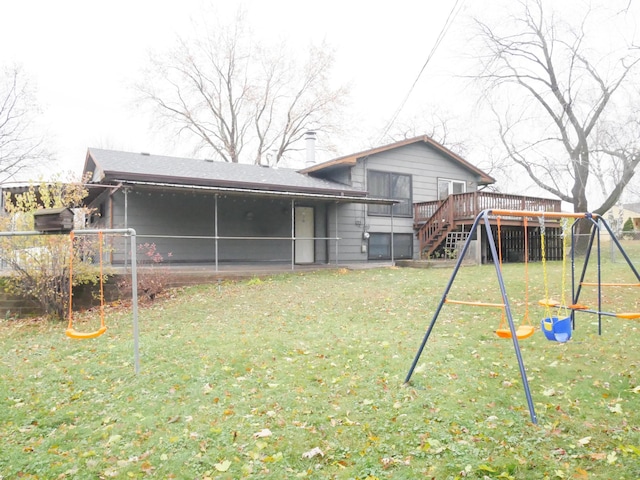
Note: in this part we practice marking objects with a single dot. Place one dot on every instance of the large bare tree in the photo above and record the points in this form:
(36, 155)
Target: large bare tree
(20, 146)
(241, 99)
(564, 100)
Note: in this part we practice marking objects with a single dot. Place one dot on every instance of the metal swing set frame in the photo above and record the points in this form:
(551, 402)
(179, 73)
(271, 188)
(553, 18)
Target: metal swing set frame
(598, 223)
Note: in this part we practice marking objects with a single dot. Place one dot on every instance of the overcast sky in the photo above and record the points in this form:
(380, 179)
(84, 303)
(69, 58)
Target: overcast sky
(84, 56)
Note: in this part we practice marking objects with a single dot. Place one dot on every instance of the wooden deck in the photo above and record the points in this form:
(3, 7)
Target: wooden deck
(466, 206)
(436, 219)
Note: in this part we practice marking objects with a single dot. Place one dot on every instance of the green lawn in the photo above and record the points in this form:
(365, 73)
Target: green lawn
(244, 379)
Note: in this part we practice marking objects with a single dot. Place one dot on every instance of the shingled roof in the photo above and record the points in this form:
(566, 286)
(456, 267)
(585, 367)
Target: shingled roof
(110, 166)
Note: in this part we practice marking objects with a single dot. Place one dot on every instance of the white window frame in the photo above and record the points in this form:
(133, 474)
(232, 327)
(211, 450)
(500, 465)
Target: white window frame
(450, 183)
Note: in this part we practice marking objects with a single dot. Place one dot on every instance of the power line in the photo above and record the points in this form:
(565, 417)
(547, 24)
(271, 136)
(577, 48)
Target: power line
(450, 18)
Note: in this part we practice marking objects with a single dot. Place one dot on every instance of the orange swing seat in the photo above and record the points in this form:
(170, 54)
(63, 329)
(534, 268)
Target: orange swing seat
(522, 332)
(525, 329)
(72, 332)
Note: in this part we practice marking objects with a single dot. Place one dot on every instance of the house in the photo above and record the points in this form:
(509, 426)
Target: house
(617, 217)
(391, 202)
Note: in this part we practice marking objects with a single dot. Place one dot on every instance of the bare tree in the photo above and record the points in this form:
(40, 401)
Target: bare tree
(241, 99)
(437, 126)
(20, 147)
(558, 102)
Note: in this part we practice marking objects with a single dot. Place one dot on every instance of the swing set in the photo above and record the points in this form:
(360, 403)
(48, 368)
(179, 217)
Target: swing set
(71, 332)
(555, 327)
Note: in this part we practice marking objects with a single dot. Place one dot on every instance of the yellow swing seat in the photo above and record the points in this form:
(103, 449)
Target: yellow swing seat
(523, 331)
(72, 333)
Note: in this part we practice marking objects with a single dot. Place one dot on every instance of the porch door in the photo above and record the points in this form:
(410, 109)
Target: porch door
(304, 227)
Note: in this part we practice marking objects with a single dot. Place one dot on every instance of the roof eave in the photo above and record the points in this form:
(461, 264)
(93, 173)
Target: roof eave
(124, 177)
(318, 195)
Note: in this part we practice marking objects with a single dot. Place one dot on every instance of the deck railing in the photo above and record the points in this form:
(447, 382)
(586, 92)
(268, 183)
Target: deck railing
(468, 205)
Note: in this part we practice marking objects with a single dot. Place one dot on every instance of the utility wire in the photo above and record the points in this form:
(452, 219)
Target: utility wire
(450, 18)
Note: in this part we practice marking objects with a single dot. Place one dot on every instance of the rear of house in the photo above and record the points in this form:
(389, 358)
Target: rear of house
(405, 200)
(411, 171)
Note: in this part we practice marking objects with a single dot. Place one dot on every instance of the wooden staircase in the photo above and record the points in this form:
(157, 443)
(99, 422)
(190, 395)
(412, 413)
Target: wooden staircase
(434, 231)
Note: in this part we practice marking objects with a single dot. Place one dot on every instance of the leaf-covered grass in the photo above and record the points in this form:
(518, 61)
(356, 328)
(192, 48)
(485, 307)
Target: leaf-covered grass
(301, 376)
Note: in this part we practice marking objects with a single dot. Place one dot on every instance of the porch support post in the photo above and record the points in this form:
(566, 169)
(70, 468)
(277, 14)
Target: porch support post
(215, 228)
(126, 225)
(336, 233)
(293, 234)
(134, 299)
(392, 251)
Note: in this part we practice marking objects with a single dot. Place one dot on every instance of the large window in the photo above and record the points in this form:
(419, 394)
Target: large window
(390, 185)
(380, 246)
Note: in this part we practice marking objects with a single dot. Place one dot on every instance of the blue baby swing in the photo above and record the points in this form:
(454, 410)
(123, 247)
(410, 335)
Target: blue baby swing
(558, 327)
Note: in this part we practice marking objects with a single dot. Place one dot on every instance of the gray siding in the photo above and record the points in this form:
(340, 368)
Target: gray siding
(350, 229)
(424, 164)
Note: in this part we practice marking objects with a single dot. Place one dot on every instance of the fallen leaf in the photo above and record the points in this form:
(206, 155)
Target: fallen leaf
(616, 408)
(584, 441)
(486, 468)
(265, 432)
(314, 452)
(223, 466)
(581, 473)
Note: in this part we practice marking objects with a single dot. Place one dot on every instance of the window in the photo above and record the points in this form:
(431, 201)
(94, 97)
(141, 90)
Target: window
(447, 187)
(380, 246)
(393, 186)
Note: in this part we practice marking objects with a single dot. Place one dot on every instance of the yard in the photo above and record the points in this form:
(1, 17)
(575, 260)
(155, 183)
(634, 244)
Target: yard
(301, 376)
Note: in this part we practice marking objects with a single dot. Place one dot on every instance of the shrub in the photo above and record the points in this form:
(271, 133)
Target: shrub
(151, 275)
(628, 226)
(40, 264)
